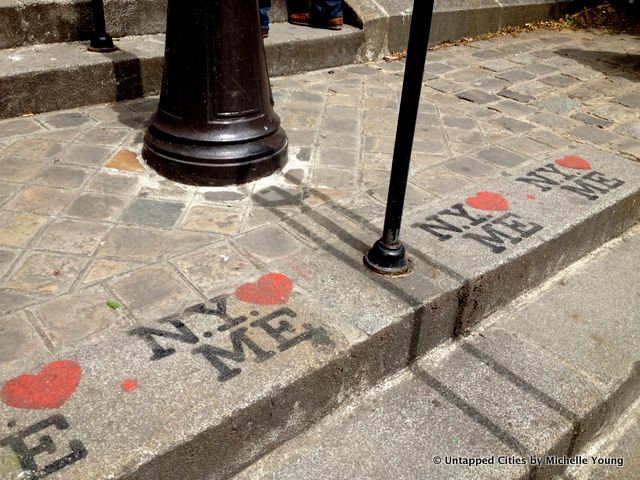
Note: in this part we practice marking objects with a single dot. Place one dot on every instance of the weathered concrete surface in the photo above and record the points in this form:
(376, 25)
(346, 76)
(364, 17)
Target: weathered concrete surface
(496, 234)
(517, 389)
(82, 78)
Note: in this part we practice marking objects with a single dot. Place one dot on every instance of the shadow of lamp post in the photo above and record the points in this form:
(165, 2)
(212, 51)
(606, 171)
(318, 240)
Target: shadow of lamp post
(215, 123)
(388, 256)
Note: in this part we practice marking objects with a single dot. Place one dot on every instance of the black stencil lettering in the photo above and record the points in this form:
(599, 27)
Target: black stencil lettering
(238, 337)
(492, 239)
(27, 455)
(587, 191)
(543, 183)
(440, 225)
(599, 178)
(459, 211)
(185, 335)
(219, 311)
(552, 169)
(524, 229)
(283, 326)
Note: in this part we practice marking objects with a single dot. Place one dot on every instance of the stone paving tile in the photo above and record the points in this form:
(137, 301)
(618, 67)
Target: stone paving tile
(114, 182)
(7, 257)
(40, 200)
(86, 155)
(45, 273)
(17, 170)
(501, 157)
(20, 126)
(96, 206)
(61, 176)
(268, 243)
(145, 212)
(134, 244)
(215, 266)
(126, 161)
(72, 236)
(153, 292)
(471, 167)
(101, 269)
(34, 149)
(19, 339)
(72, 318)
(223, 220)
(66, 119)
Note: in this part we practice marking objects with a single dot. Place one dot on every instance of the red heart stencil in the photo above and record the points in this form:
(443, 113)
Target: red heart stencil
(49, 389)
(271, 289)
(488, 201)
(575, 162)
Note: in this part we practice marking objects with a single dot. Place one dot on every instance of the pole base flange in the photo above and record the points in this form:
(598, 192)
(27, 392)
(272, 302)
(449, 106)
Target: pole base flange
(387, 259)
(102, 44)
(214, 164)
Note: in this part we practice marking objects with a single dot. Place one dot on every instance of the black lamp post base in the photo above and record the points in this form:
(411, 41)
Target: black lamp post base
(388, 260)
(102, 44)
(214, 164)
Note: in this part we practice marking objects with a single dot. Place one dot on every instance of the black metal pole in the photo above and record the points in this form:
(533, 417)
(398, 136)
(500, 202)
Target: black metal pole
(387, 255)
(101, 41)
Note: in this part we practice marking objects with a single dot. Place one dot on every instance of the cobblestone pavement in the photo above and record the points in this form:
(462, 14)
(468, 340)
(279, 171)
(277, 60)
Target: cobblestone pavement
(83, 220)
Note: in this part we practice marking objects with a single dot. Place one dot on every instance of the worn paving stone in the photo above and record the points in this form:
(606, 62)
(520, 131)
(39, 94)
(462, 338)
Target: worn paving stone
(96, 206)
(337, 158)
(268, 243)
(86, 155)
(440, 184)
(334, 178)
(33, 149)
(61, 177)
(7, 257)
(152, 213)
(101, 269)
(72, 318)
(133, 244)
(558, 104)
(477, 96)
(527, 147)
(66, 119)
(631, 100)
(414, 197)
(72, 236)
(45, 273)
(501, 157)
(223, 220)
(515, 75)
(561, 81)
(513, 95)
(153, 292)
(215, 266)
(16, 170)
(592, 120)
(41, 200)
(126, 161)
(20, 126)
(114, 183)
(592, 134)
(471, 167)
(7, 190)
(18, 229)
(102, 136)
(19, 339)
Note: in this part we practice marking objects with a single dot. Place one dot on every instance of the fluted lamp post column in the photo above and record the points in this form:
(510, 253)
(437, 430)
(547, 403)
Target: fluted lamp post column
(215, 123)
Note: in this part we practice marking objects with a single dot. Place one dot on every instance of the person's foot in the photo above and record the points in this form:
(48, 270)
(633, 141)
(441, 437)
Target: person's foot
(305, 19)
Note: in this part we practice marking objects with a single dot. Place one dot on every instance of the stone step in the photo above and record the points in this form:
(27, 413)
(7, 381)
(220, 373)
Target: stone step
(28, 75)
(551, 373)
(31, 22)
(28, 72)
(203, 393)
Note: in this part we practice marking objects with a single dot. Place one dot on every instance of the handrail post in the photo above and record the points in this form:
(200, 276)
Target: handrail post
(388, 256)
(101, 41)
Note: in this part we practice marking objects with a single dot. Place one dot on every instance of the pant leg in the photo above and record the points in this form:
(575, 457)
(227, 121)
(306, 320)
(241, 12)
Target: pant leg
(325, 9)
(265, 6)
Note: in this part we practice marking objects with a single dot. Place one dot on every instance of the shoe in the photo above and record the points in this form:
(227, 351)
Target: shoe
(306, 20)
(265, 32)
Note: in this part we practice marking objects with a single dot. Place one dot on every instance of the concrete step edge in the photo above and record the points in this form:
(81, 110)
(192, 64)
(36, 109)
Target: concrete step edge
(343, 361)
